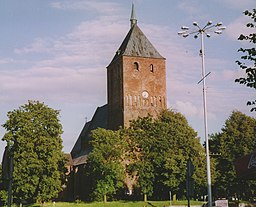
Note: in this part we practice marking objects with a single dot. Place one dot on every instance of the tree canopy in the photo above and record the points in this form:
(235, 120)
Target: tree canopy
(237, 138)
(105, 171)
(248, 62)
(3, 193)
(35, 130)
(148, 158)
(166, 143)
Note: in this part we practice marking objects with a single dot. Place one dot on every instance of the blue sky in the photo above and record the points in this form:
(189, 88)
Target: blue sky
(56, 51)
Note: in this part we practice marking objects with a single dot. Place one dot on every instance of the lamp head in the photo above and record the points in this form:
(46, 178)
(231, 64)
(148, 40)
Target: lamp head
(195, 23)
(219, 24)
(209, 23)
(181, 32)
(185, 28)
(222, 28)
(218, 31)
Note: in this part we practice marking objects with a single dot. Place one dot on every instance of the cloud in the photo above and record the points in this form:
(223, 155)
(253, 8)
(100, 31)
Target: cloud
(39, 45)
(192, 111)
(240, 5)
(56, 84)
(67, 67)
(237, 27)
(6, 61)
(190, 7)
(231, 74)
(80, 47)
(187, 108)
(97, 6)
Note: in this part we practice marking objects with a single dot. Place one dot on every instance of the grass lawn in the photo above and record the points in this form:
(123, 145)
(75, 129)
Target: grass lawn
(119, 204)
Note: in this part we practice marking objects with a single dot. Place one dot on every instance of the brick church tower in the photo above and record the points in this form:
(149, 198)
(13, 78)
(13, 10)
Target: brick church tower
(136, 79)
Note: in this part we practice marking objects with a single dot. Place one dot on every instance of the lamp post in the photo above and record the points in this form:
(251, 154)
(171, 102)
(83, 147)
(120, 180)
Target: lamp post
(185, 32)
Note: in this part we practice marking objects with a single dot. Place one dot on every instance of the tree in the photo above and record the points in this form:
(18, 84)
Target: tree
(149, 157)
(141, 134)
(237, 138)
(165, 144)
(248, 62)
(3, 193)
(104, 166)
(35, 130)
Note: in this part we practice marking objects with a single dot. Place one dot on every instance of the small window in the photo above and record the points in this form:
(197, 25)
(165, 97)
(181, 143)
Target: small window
(151, 68)
(136, 66)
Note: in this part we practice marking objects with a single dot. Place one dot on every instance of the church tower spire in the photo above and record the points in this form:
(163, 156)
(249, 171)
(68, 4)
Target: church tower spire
(133, 19)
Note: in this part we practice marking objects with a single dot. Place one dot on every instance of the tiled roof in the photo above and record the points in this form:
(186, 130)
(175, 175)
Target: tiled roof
(136, 44)
(81, 148)
(76, 150)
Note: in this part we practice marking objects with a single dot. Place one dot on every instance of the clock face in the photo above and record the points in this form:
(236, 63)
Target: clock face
(145, 94)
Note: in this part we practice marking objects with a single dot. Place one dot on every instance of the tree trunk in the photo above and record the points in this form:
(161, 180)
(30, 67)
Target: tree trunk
(145, 197)
(105, 199)
(174, 197)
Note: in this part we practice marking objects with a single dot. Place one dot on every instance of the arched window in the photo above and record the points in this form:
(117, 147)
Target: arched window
(127, 100)
(136, 66)
(152, 101)
(160, 101)
(155, 101)
(151, 68)
(130, 100)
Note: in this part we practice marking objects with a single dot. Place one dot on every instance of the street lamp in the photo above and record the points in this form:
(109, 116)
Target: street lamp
(206, 30)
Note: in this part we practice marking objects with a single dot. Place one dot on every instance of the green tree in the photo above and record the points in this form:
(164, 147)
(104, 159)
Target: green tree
(35, 130)
(248, 62)
(104, 166)
(141, 134)
(237, 138)
(165, 144)
(3, 193)
(149, 157)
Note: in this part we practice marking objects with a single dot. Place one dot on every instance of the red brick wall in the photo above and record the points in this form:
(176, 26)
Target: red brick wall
(150, 77)
(126, 85)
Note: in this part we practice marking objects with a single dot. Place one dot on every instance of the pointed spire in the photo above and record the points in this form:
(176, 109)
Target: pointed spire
(133, 19)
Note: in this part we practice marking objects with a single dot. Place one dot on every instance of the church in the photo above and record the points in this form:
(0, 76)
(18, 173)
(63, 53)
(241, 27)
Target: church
(136, 87)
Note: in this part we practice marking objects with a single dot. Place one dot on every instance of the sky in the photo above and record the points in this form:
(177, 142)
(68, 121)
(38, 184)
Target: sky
(56, 52)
